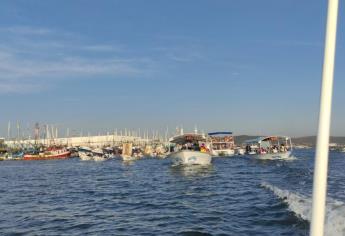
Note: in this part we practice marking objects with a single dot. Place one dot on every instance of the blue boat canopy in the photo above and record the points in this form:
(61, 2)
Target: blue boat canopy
(220, 133)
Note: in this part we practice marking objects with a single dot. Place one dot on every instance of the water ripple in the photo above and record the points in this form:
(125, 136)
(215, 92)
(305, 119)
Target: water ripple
(150, 197)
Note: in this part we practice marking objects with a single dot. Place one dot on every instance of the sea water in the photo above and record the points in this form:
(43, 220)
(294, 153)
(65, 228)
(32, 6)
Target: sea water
(233, 196)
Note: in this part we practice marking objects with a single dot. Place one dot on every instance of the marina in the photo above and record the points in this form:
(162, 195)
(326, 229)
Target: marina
(191, 148)
(99, 100)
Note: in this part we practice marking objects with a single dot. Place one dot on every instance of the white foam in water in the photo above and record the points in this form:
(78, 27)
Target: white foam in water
(301, 206)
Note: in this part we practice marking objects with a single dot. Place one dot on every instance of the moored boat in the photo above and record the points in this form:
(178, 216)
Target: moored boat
(98, 155)
(85, 153)
(49, 154)
(127, 152)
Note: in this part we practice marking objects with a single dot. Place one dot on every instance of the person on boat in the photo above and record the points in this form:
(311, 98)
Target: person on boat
(196, 146)
(248, 149)
(263, 151)
(203, 148)
(283, 148)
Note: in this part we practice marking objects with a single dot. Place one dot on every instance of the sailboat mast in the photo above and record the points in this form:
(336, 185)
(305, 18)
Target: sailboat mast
(322, 145)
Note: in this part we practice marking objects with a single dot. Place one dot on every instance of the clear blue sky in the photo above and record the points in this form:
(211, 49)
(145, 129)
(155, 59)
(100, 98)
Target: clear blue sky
(252, 67)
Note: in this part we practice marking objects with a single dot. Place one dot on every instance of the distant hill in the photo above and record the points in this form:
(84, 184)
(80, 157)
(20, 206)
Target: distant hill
(241, 138)
(311, 140)
(307, 140)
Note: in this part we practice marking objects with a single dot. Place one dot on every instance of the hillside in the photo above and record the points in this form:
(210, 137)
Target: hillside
(311, 140)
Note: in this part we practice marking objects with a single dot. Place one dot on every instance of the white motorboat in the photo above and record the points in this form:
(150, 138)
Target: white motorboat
(270, 147)
(190, 149)
(188, 157)
(98, 155)
(275, 156)
(108, 152)
(85, 154)
(222, 143)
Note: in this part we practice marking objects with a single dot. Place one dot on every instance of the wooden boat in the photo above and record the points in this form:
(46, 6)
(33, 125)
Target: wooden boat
(127, 152)
(50, 154)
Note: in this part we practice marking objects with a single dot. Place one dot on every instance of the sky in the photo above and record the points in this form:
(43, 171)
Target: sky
(251, 67)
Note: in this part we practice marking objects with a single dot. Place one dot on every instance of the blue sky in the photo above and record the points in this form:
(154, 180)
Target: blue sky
(253, 67)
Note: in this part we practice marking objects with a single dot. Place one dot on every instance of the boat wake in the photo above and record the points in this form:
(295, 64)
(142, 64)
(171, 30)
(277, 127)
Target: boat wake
(301, 206)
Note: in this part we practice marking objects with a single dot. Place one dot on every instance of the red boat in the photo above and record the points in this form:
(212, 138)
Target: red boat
(51, 154)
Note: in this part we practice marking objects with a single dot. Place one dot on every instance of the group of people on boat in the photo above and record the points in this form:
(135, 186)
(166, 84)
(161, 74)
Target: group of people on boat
(192, 146)
(270, 149)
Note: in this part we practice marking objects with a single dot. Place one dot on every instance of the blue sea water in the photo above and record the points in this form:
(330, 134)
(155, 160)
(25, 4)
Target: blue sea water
(234, 196)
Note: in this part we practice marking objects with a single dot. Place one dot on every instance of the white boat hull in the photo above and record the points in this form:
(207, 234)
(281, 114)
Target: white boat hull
(99, 158)
(128, 158)
(223, 152)
(274, 156)
(84, 156)
(186, 157)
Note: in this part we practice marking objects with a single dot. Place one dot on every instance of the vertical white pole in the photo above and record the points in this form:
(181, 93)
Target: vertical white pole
(322, 146)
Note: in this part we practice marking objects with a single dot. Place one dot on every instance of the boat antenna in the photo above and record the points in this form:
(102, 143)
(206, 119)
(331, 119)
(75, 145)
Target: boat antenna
(37, 132)
(9, 130)
(322, 145)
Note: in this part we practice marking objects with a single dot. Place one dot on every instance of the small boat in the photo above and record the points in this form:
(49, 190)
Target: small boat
(270, 147)
(74, 151)
(98, 155)
(85, 154)
(18, 155)
(52, 153)
(222, 143)
(127, 152)
(148, 150)
(190, 149)
(109, 152)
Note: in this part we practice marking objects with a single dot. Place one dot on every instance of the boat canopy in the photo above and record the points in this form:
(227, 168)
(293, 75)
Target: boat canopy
(265, 139)
(187, 138)
(220, 133)
(85, 149)
(98, 151)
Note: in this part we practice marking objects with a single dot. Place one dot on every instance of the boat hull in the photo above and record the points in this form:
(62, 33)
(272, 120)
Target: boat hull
(186, 157)
(223, 152)
(85, 156)
(63, 155)
(274, 156)
(128, 158)
(99, 158)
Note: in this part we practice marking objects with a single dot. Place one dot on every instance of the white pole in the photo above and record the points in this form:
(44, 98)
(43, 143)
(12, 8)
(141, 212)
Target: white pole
(322, 146)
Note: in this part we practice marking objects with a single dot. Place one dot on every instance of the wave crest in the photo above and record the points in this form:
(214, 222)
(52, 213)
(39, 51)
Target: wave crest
(301, 205)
